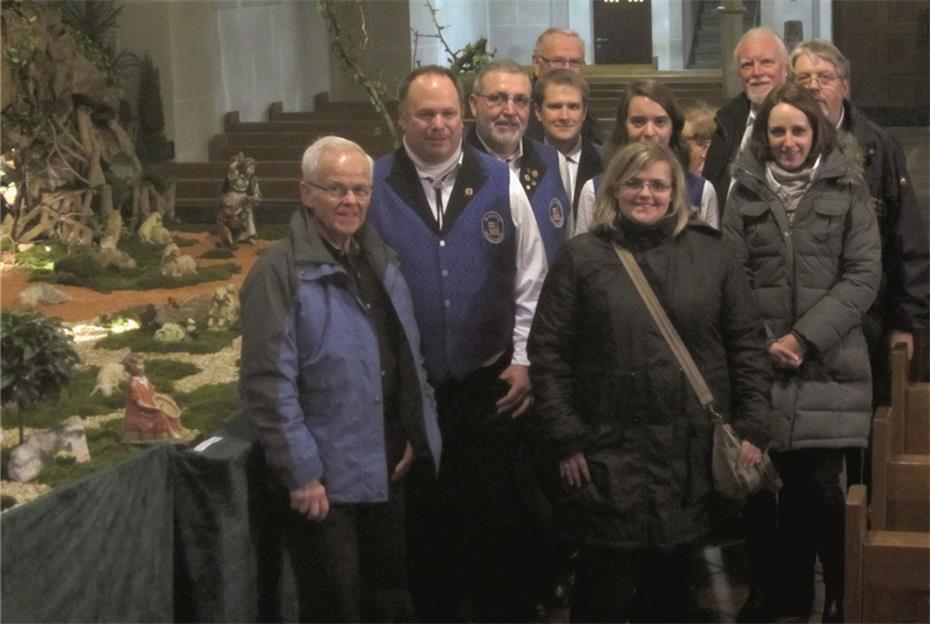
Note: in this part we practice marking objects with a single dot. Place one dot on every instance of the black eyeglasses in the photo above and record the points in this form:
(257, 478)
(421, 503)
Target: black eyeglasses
(499, 100)
(338, 191)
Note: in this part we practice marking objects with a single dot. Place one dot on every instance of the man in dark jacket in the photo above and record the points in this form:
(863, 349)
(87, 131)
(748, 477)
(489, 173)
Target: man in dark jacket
(902, 303)
(332, 381)
(560, 48)
(560, 103)
(762, 63)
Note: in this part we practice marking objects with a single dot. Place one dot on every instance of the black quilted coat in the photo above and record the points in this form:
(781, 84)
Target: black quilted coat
(607, 384)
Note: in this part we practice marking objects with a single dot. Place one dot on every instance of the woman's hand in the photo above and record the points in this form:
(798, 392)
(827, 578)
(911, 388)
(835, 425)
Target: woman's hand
(749, 454)
(575, 470)
(787, 352)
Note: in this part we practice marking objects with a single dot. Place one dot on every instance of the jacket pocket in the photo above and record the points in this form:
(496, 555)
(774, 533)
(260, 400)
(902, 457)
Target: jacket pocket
(828, 223)
(760, 230)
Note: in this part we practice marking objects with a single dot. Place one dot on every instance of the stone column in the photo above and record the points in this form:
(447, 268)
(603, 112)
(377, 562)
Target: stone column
(731, 29)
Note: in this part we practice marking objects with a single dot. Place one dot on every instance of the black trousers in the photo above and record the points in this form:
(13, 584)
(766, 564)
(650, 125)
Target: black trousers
(785, 535)
(641, 585)
(462, 526)
(350, 567)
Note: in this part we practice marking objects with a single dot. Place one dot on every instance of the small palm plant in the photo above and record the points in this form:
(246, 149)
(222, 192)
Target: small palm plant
(37, 360)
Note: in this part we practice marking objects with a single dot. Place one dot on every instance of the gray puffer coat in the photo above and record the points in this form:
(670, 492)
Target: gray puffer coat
(816, 277)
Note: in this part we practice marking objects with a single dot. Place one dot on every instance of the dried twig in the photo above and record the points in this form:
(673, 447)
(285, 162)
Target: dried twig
(376, 92)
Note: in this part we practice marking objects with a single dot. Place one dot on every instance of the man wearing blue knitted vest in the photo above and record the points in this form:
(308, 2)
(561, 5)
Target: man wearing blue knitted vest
(500, 102)
(471, 252)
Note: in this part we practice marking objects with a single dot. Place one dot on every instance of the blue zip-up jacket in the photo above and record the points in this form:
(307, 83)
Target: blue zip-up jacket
(311, 373)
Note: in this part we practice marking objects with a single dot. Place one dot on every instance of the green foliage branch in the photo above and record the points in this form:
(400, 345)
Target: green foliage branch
(38, 359)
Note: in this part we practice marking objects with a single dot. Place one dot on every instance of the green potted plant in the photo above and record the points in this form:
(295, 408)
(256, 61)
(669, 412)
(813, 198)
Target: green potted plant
(37, 360)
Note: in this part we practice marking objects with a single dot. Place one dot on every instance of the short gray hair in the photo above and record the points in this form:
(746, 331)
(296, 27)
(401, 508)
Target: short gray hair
(313, 153)
(761, 31)
(505, 66)
(555, 30)
(825, 51)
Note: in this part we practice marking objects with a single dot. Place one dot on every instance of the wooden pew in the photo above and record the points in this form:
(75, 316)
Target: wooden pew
(910, 403)
(900, 481)
(887, 572)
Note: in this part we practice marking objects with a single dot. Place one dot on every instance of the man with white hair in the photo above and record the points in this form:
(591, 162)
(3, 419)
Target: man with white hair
(332, 382)
(762, 64)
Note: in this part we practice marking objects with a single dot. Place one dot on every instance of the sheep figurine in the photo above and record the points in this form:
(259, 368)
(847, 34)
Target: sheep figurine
(224, 308)
(173, 264)
(109, 377)
(171, 332)
(153, 232)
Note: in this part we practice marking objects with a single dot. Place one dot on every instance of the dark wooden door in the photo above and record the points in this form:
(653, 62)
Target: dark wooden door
(886, 43)
(623, 31)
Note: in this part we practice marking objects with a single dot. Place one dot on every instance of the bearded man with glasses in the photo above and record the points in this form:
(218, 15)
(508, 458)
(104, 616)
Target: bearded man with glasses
(561, 48)
(500, 102)
(902, 303)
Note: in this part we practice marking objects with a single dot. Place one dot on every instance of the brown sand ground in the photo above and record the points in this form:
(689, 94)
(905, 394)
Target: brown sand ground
(87, 304)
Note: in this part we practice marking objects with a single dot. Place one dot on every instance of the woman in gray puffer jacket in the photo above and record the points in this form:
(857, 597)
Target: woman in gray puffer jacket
(800, 219)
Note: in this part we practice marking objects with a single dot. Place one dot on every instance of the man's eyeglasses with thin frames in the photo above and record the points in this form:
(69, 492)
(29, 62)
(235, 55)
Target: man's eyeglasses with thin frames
(499, 100)
(338, 191)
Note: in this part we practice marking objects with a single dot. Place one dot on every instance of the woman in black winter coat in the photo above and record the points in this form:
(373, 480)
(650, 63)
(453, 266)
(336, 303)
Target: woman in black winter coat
(612, 403)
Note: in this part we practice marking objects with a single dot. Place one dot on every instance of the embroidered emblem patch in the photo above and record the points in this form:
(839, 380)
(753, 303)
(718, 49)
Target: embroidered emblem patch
(492, 226)
(556, 214)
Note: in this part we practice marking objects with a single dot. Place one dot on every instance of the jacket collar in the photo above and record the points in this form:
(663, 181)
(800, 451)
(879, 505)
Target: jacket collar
(733, 115)
(589, 166)
(309, 248)
(405, 181)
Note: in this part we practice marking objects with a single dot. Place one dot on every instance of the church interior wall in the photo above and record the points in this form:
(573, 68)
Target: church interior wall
(216, 56)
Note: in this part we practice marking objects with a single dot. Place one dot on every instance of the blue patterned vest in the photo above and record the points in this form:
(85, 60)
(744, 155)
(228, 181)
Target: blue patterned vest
(543, 185)
(461, 279)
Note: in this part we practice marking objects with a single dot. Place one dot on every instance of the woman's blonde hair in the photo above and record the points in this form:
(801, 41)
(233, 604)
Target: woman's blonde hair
(626, 163)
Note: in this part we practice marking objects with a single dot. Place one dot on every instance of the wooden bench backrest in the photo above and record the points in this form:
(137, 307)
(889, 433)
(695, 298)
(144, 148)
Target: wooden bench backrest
(886, 571)
(911, 405)
(900, 481)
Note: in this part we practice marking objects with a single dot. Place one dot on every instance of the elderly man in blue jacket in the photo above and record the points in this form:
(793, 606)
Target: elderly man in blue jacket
(333, 382)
